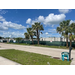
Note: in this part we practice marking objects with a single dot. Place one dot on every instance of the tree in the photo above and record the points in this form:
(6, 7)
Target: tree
(7, 37)
(31, 33)
(0, 37)
(72, 26)
(59, 30)
(26, 35)
(18, 39)
(64, 29)
(37, 27)
(71, 38)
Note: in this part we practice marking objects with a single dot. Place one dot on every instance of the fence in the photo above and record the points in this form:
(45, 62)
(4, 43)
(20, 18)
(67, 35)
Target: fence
(53, 43)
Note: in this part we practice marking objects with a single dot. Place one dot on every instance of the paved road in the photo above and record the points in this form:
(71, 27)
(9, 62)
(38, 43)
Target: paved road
(41, 50)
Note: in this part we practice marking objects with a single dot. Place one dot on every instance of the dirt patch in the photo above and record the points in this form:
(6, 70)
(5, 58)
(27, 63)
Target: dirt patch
(56, 57)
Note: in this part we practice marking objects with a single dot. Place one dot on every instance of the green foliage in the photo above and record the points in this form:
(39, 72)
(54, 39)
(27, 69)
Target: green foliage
(34, 31)
(64, 29)
(37, 27)
(72, 26)
(7, 37)
(71, 37)
(26, 35)
(0, 37)
(31, 32)
(18, 39)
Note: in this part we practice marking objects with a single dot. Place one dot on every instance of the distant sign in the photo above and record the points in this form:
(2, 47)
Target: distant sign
(51, 41)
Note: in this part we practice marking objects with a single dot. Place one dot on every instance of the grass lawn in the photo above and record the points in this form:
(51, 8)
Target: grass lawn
(59, 47)
(27, 58)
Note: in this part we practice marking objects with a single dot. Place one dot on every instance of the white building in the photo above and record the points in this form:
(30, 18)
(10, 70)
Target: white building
(53, 39)
(8, 40)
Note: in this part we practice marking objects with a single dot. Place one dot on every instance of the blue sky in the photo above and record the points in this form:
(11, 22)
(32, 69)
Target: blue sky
(13, 22)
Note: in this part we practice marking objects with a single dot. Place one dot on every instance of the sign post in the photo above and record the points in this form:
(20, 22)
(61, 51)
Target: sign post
(70, 48)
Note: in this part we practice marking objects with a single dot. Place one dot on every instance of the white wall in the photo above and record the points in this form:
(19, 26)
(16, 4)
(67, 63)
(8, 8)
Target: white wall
(53, 39)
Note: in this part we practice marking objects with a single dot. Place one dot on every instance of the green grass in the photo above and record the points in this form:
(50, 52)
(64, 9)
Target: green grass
(59, 47)
(27, 58)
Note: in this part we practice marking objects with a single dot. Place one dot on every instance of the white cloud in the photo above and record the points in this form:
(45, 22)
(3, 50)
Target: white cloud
(64, 11)
(13, 25)
(51, 19)
(52, 25)
(46, 33)
(27, 26)
(3, 28)
(49, 35)
(1, 18)
(3, 11)
(28, 21)
(12, 34)
(50, 31)
(41, 18)
(72, 21)
(6, 25)
(1, 31)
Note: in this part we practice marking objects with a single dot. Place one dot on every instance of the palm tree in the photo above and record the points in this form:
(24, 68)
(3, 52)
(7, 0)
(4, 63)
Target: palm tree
(31, 33)
(37, 27)
(72, 26)
(64, 29)
(26, 35)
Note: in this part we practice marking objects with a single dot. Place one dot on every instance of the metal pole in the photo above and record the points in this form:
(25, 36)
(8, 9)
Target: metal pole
(70, 48)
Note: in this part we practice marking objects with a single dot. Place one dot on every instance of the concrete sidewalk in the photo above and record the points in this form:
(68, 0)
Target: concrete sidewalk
(54, 52)
(4, 48)
(4, 61)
